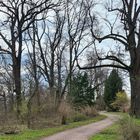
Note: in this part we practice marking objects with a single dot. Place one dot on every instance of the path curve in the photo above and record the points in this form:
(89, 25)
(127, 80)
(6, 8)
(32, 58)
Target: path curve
(84, 132)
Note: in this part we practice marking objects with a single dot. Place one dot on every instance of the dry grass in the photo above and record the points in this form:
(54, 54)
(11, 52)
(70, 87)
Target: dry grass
(48, 115)
(129, 130)
(89, 111)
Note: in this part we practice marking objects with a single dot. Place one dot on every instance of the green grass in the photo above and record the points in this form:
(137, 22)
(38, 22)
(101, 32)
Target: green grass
(137, 121)
(109, 133)
(112, 132)
(36, 134)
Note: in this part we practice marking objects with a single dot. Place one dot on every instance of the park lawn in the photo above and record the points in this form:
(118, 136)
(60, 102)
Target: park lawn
(36, 134)
(110, 133)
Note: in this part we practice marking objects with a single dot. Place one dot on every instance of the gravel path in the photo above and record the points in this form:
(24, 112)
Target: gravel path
(84, 132)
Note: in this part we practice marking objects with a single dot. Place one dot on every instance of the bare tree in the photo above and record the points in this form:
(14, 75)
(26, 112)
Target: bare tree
(98, 76)
(128, 16)
(18, 17)
(77, 25)
(32, 62)
(50, 47)
(6, 82)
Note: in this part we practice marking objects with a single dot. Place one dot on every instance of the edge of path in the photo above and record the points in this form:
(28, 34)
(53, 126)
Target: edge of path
(113, 118)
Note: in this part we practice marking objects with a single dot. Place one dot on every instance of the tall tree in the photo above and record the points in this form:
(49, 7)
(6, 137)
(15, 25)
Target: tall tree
(112, 86)
(128, 35)
(51, 45)
(98, 76)
(7, 81)
(17, 18)
(77, 23)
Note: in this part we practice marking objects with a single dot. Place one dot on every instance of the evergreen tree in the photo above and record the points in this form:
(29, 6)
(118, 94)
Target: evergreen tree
(112, 86)
(82, 92)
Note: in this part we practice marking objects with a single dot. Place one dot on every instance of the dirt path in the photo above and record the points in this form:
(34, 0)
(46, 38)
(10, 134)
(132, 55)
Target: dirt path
(84, 132)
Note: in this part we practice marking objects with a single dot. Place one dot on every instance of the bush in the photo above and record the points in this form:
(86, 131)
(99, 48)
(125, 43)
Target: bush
(65, 110)
(78, 117)
(121, 101)
(129, 130)
(89, 111)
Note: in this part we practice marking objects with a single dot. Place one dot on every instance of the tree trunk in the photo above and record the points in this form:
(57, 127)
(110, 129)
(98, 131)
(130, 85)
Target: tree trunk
(63, 120)
(5, 105)
(29, 114)
(17, 81)
(29, 105)
(135, 94)
(16, 58)
(18, 96)
(38, 97)
(135, 78)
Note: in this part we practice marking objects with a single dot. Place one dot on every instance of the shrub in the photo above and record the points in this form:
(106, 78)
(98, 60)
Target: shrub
(65, 110)
(89, 111)
(121, 101)
(78, 117)
(129, 130)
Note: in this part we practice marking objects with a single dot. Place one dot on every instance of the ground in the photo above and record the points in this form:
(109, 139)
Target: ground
(84, 132)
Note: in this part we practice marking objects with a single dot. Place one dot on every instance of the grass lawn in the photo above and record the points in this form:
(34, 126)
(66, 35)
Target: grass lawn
(36, 134)
(112, 132)
(109, 133)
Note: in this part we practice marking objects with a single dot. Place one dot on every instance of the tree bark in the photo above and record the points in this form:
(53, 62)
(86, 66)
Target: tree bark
(29, 113)
(5, 105)
(17, 80)
(135, 94)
